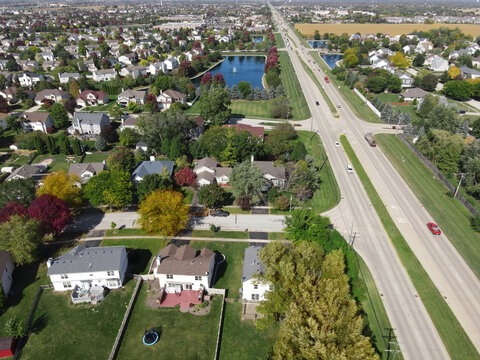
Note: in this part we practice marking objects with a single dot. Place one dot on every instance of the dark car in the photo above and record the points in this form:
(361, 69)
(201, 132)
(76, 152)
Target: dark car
(461, 111)
(220, 213)
(435, 230)
(317, 103)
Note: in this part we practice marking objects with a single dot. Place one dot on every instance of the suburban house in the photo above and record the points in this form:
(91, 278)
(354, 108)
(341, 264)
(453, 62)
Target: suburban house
(92, 98)
(136, 96)
(37, 121)
(129, 123)
(155, 68)
(253, 130)
(65, 77)
(168, 97)
(27, 172)
(86, 170)
(407, 80)
(87, 267)
(88, 123)
(413, 94)
(127, 59)
(152, 167)
(133, 71)
(208, 171)
(9, 94)
(438, 64)
(104, 75)
(6, 271)
(253, 288)
(476, 61)
(171, 63)
(54, 95)
(274, 174)
(29, 79)
(184, 268)
(468, 73)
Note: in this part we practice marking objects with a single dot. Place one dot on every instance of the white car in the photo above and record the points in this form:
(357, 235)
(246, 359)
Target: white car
(337, 144)
(339, 106)
(349, 169)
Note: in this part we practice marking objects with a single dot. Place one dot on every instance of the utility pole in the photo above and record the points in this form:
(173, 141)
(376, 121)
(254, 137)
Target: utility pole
(459, 183)
(394, 351)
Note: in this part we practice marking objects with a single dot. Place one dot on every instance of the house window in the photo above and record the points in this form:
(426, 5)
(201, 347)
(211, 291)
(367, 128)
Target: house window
(171, 285)
(169, 276)
(255, 296)
(112, 283)
(67, 285)
(110, 273)
(188, 287)
(64, 276)
(198, 278)
(255, 286)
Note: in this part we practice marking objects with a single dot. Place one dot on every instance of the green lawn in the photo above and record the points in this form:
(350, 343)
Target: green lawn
(14, 160)
(81, 331)
(183, 335)
(59, 162)
(358, 107)
(454, 338)
(448, 213)
(96, 157)
(310, 73)
(220, 234)
(229, 274)
(279, 40)
(387, 97)
(328, 195)
(252, 109)
(275, 236)
(300, 110)
(240, 338)
(235, 210)
(187, 195)
(105, 107)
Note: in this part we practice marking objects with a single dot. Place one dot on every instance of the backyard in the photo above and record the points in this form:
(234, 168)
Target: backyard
(59, 161)
(182, 335)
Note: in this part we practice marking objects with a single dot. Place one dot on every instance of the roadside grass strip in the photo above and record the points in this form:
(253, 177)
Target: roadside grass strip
(455, 339)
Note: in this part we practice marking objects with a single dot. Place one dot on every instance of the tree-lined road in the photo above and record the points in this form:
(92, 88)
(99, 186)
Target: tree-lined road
(415, 331)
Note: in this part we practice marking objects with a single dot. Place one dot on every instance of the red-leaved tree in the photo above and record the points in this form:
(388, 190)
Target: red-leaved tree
(185, 177)
(52, 212)
(218, 79)
(206, 78)
(12, 208)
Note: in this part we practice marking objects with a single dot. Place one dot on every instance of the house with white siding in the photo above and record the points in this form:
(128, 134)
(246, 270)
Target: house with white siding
(253, 287)
(88, 123)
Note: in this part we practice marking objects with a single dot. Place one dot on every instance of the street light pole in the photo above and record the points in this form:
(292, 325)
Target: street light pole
(459, 183)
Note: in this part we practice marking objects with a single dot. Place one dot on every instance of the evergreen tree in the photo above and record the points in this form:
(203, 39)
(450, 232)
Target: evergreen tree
(39, 145)
(234, 93)
(65, 146)
(174, 151)
(264, 94)
(51, 148)
(387, 113)
(100, 144)
(257, 94)
(76, 147)
(165, 148)
(279, 91)
(271, 92)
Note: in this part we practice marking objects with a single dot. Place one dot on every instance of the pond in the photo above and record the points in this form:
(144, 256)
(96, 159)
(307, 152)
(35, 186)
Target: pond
(318, 44)
(257, 39)
(331, 59)
(239, 68)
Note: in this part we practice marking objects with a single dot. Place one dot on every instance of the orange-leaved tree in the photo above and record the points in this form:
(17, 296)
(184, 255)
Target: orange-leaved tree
(164, 212)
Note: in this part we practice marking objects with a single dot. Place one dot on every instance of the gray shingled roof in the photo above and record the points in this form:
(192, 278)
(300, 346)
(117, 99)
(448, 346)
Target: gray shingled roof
(153, 167)
(251, 263)
(81, 259)
(89, 118)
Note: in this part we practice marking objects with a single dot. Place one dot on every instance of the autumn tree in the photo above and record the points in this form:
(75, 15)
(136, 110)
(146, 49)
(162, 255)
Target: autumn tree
(123, 159)
(21, 191)
(400, 60)
(21, 237)
(12, 208)
(248, 181)
(454, 72)
(64, 186)
(211, 195)
(185, 177)
(52, 212)
(164, 212)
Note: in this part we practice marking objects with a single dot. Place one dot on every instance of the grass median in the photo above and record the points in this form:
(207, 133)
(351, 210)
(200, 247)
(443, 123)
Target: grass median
(310, 73)
(454, 338)
(279, 40)
(359, 108)
(448, 213)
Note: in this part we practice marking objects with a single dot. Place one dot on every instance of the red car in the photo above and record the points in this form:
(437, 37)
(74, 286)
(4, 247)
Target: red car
(434, 228)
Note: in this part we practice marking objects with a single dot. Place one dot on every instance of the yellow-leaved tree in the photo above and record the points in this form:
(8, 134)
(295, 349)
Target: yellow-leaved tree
(400, 60)
(66, 187)
(164, 212)
(454, 72)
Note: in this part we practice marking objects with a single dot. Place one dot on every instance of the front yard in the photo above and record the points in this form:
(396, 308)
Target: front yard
(182, 335)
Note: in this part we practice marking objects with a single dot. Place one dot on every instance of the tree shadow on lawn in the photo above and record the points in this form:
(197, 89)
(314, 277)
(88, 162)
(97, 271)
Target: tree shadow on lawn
(221, 265)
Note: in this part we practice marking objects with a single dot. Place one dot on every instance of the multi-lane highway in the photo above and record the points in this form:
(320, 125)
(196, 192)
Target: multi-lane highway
(415, 331)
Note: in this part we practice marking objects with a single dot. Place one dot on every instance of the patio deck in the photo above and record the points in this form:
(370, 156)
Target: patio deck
(185, 299)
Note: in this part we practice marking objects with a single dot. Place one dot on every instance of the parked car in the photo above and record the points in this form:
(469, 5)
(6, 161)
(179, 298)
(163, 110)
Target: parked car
(220, 213)
(461, 111)
(337, 144)
(434, 229)
(349, 169)
(317, 103)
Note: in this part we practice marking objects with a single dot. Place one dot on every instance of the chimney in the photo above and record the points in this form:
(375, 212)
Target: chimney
(152, 158)
(49, 262)
(252, 158)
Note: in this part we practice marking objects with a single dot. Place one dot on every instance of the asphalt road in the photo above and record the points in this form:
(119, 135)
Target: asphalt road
(414, 329)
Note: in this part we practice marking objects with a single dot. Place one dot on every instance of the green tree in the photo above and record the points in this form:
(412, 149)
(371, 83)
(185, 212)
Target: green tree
(245, 88)
(394, 84)
(39, 145)
(376, 84)
(304, 225)
(110, 188)
(476, 127)
(419, 60)
(443, 117)
(123, 159)
(248, 182)
(163, 82)
(100, 144)
(429, 82)
(444, 149)
(116, 112)
(458, 90)
(21, 191)
(65, 146)
(152, 182)
(76, 146)
(428, 104)
(21, 236)
(214, 106)
(129, 138)
(74, 89)
(278, 141)
(51, 147)
(211, 196)
(59, 115)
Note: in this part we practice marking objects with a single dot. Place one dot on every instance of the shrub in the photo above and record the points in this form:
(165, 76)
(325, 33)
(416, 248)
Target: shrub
(282, 203)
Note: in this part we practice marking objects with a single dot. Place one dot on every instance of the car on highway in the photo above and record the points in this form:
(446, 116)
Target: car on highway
(434, 229)
(349, 169)
(339, 106)
(220, 213)
(317, 103)
(337, 144)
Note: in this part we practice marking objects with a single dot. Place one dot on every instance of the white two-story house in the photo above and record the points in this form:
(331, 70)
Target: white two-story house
(104, 75)
(88, 123)
(184, 268)
(253, 287)
(87, 267)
